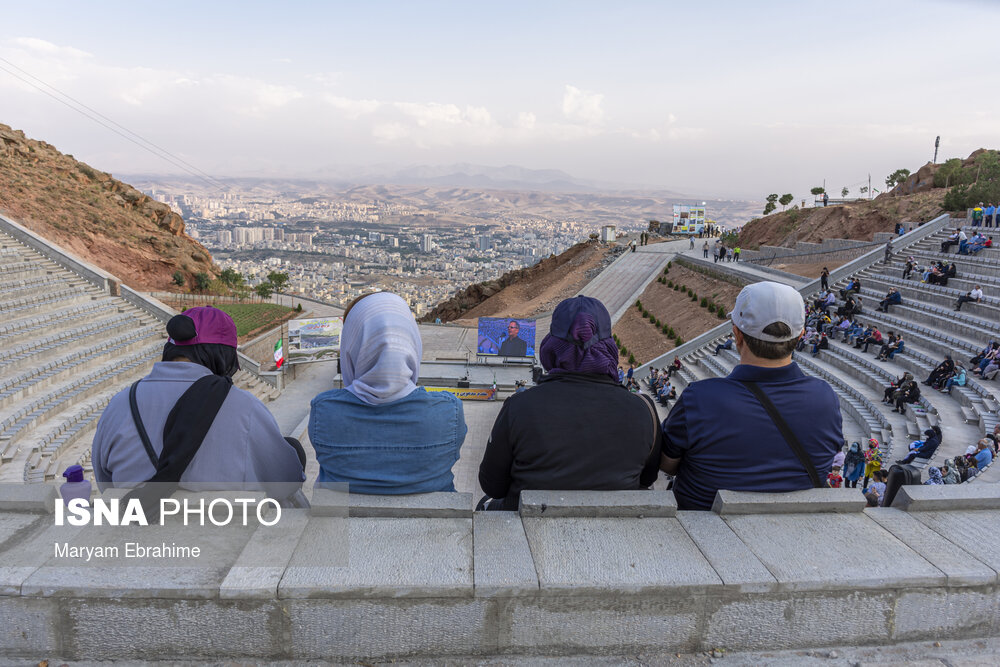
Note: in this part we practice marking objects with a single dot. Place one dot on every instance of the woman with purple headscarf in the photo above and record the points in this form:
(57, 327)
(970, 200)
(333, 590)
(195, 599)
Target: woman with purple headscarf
(579, 428)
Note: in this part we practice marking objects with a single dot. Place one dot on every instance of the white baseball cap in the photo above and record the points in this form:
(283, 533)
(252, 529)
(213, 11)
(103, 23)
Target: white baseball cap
(764, 303)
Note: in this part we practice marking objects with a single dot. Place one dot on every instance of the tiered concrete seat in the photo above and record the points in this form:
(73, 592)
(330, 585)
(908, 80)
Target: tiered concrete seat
(930, 327)
(69, 346)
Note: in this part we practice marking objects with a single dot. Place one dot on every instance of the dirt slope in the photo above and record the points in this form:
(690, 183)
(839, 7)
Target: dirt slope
(675, 309)
(530, 291)
(101, 219)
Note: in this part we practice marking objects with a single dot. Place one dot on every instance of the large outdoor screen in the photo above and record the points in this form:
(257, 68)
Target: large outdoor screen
(506, 337)
(316, 339)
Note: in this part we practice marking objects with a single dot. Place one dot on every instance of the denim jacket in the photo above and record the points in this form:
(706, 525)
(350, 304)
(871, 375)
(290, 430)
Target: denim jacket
(407, 446)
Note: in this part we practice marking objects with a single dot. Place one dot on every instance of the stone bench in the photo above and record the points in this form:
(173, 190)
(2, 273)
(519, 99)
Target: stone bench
(588, 574)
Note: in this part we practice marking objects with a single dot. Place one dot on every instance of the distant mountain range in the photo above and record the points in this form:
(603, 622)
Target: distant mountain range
(459, 175)
(463, 174)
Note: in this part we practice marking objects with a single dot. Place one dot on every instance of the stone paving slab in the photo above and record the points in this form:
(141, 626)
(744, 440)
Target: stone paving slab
(832, 552)
(127, 577)
(504, 566)
(385, 558)
(810, 501)
(28, 497)
(608, 556)
(738, 567)
(632, 504)
(959, 566)
(440, 505)
(952, 497)
(261, 565)
(975, 531)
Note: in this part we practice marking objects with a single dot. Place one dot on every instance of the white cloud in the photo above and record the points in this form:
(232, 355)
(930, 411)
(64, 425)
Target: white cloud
(526, 120)
(390, 132)
(42, 47)
(353, 109)
(582, 105)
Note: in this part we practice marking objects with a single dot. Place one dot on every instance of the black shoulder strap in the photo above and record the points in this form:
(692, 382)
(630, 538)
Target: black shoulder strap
(139, 426)
(657, 432)
(786, 432)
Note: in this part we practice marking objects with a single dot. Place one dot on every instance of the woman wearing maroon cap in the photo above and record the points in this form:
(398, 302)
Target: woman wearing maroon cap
(185, 422)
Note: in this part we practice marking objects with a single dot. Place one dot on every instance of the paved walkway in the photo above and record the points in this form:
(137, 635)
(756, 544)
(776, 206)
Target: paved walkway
(750, 270)
(619, 285)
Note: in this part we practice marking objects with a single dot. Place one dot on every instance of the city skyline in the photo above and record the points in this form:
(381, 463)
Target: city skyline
(728, 101)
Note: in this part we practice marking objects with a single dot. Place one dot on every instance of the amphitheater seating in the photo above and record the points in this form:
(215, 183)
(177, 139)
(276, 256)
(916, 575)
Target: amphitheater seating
(931, 328)
(68, 348)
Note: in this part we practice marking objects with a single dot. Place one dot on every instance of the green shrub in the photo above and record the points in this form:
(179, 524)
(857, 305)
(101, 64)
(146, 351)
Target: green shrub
(694, 297)
(638, 304)
(670, 283)
(704, 302)
(665, 329)
(722, 313)
(679, 341)
(676, 287)
(669, 264)
(631, 359)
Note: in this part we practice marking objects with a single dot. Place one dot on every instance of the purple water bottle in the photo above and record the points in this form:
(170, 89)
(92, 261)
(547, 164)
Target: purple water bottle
(75, 486)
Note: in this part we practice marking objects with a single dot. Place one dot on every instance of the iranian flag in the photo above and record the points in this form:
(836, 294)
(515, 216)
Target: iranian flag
(279, 354)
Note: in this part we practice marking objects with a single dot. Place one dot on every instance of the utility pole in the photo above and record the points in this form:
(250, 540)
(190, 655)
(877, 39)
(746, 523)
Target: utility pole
(937, 143)
(869, 186)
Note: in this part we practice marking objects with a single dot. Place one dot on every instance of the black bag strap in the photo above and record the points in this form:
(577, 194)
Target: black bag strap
(657, 432)
(181, 441)
(139, 426)
(786, 432)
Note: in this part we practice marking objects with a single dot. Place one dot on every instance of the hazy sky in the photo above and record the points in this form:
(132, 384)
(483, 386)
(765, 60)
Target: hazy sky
(722, 98)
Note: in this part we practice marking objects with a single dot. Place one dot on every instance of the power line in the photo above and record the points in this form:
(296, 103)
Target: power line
(100, 119)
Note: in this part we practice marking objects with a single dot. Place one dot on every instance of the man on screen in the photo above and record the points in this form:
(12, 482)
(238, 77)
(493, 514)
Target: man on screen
(512, 346)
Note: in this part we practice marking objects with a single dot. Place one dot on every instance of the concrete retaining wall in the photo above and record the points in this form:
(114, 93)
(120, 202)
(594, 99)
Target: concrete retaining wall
(98, 277)
(572, 573)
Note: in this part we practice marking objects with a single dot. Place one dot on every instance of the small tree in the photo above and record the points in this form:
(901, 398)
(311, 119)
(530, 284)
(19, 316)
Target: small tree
(298, 308)
(264, 290)
(863, 189)
(201, 281)
(631, 358)
(896, 177)
(179, 279)
(279, 279)
(679, 341)
(785, 201)
(704, 302)
(844, 191)
(771, 205)
(231, 277)
(818, 190)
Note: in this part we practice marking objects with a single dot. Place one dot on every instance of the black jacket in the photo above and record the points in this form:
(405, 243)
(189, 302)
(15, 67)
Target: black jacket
(572, 431)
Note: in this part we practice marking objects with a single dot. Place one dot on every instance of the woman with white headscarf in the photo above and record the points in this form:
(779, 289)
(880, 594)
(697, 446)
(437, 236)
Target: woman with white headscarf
(381, 433)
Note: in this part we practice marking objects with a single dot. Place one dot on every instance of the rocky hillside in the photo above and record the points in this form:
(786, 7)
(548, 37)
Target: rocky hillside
(919, 198)
(101, 219)
(529, 291)
(858, 220)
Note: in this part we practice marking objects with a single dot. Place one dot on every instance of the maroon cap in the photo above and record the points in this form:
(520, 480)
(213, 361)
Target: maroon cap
(203, 324)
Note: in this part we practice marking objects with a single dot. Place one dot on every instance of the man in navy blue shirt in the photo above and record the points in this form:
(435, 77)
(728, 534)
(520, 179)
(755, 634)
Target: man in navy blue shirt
(720, 436)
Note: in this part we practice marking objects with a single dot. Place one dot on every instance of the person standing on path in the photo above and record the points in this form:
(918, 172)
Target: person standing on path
(704, 249)
(824, 279)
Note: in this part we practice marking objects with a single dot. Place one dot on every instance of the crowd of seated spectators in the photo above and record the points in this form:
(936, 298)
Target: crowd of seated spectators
(383, 434)
(660, 384)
